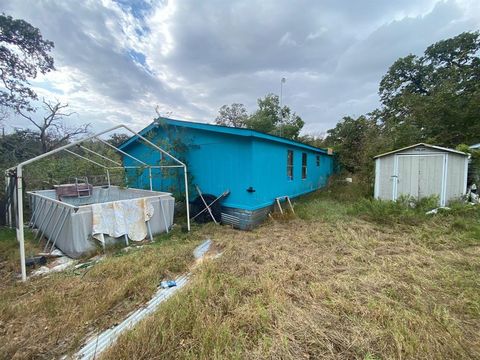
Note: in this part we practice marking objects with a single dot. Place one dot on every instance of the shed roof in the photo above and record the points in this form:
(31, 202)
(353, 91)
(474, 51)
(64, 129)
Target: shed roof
(225, 130)
(476, 146)
(422, 144)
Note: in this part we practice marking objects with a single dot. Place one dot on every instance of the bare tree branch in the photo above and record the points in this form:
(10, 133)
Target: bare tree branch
(53, 131)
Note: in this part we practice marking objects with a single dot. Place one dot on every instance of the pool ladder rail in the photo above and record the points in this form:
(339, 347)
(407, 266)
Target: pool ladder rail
(83, 188)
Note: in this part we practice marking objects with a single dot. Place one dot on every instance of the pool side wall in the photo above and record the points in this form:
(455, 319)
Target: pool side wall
(74, 234)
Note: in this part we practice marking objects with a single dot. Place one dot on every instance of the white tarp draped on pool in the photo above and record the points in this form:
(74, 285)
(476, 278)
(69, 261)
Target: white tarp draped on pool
(74, 235)
(122, 217)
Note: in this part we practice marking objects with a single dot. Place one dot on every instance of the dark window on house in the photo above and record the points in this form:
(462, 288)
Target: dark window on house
(304, 165)
(318, 160)
(290, 164)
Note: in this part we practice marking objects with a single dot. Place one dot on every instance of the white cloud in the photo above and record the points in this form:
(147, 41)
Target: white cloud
(117, 61)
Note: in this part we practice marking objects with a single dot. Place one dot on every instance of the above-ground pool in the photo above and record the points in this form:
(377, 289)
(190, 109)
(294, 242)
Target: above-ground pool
(67, 222)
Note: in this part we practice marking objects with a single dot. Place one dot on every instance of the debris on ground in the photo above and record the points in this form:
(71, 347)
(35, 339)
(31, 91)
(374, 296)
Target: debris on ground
(132, 247)
(202, 249)
(436, 210)
(35, 260)
(92, 261)
(97, 344)
(59, 264)
(168, 284)
(54, 253)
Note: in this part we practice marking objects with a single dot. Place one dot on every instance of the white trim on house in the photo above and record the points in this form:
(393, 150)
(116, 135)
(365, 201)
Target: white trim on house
(377, 179)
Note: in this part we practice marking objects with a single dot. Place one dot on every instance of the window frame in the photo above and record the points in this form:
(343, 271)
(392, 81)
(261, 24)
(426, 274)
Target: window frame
(304, 165)
(318, 160)
(290, 162)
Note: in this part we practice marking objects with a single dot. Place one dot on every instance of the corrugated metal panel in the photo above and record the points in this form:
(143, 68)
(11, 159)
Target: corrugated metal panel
(455, 186)
(421, 172)
(230, 220)
(385, 182)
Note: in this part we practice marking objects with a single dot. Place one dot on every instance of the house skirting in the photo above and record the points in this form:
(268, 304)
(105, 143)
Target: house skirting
(245, 219)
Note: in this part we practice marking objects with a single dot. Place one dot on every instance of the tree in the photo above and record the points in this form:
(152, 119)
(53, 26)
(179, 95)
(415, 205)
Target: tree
(4, 115)
(118, 139)
(23, 55)
(317, 140)
(53, 132)
(19, 146)
(356, 141)
(234, 115)
(272, 119)
(268, 118)
(435, 97)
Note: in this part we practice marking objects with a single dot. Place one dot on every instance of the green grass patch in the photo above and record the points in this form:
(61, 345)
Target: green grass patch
(51, 316)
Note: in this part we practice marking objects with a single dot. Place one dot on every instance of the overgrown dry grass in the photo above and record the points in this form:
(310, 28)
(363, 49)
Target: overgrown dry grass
(331, 285)
(345, 278)
(49, 317)
(9, 255)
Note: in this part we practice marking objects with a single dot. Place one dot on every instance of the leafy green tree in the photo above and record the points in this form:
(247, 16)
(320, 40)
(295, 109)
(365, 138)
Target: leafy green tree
(434, 97)
(356, 141)
(23, 55)
(118, 139)
(19, 146)
(317, 140)
(474, 164)
(234, 115)
(269, 118)
(273, 119)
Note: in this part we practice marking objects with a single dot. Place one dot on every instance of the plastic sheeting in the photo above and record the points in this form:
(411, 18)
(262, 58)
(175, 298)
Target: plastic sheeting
(68, 223)
(125, 217)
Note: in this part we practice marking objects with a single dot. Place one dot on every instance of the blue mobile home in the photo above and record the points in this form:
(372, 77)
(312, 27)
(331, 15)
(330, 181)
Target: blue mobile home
(255, 167)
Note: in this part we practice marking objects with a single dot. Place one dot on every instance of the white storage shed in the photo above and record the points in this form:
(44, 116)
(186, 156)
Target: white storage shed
(419, 171)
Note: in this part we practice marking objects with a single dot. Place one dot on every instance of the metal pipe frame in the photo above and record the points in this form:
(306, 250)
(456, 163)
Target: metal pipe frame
(100, 155)
(19, 177)
(54, 227)
(54, 240)
(40, 205)
(86, 159)
(42, 222)
(122, 152)
(148, 166)
(48, 222)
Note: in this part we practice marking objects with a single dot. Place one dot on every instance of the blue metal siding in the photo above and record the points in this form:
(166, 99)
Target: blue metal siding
(219, 161)
(270, 172)
(216, 162)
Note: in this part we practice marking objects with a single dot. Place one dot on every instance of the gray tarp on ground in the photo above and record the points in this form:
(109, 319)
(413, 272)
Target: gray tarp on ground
(74, 237)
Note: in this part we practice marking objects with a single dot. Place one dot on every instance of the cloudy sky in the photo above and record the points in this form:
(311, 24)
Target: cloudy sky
(117, 60)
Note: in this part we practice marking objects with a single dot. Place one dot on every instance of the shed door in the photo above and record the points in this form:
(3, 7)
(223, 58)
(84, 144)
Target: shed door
(420, 176)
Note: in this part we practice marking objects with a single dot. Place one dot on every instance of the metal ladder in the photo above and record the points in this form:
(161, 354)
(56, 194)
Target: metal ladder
(83, 192)
(287, 198)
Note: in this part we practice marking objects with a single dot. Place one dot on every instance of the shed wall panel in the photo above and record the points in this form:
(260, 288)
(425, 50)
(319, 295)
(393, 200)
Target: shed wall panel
(386, 180)
(421, 176)
(430, 175)
(455, 176)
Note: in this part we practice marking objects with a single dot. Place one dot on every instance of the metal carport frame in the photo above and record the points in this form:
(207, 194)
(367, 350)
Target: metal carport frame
(19, 176)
